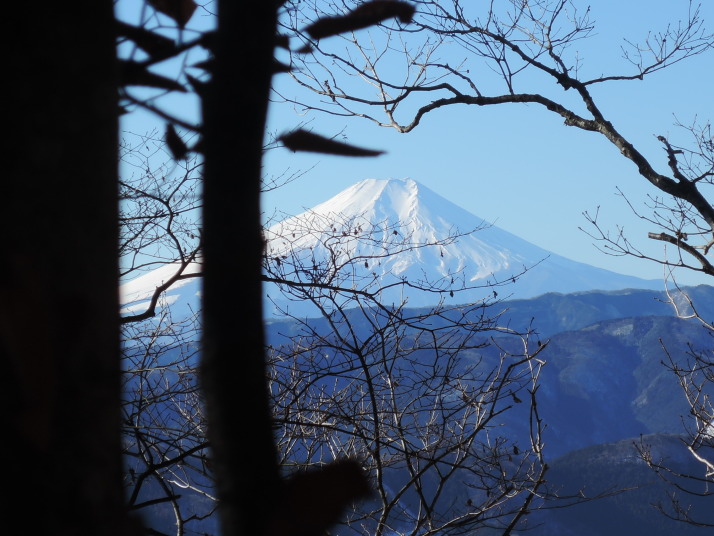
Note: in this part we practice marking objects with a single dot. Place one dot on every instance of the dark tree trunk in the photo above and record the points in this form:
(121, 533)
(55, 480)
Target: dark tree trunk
(233, 367)
(59, 331)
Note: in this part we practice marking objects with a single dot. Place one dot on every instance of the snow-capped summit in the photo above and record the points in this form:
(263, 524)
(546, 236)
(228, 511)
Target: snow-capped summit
(402, 212)
(407, 213)
(390, 229)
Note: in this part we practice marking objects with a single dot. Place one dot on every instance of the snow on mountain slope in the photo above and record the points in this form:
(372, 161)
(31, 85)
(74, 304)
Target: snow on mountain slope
(183, 296)
(419, 216)
(375, 218)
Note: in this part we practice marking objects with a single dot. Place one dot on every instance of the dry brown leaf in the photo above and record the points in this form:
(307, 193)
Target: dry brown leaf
(365, 15)
(175, 144)
(150, 42)
(315, 500)
(302, 140)
(179, 10)
(135, 74)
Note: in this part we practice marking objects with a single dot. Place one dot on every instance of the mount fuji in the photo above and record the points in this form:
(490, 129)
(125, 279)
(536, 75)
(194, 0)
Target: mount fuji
(402, 211)
(385, 224)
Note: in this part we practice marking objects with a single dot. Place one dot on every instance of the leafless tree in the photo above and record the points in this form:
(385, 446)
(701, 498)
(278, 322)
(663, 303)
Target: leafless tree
(163, 424)
(696, 379)
(685, 225)
(450, 438)
(160, 214)
(515, 52)
(408, 394)
(391, 77)
(418, 445)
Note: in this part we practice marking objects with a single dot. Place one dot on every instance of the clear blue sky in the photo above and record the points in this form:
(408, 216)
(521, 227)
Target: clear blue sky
(519, 166)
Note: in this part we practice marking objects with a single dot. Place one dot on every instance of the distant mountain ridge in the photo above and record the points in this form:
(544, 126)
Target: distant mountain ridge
(602, 388)
(556, 312)
(604, 379)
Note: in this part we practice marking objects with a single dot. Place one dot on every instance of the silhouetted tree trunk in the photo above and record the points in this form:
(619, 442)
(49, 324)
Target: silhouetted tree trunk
(233, 366)
(59, 331)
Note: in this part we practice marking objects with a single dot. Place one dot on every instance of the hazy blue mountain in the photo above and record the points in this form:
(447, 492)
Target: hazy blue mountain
(555, 312)
(604, 385)
(608, 468)
(606, 381)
